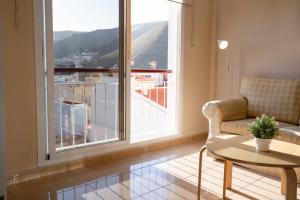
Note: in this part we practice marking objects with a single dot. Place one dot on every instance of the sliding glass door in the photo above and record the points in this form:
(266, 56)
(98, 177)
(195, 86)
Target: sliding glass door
(155, 46)
(82, 60)
(84, 65)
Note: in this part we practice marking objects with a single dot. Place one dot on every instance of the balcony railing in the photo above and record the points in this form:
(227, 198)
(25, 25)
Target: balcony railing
(111, 70)
(87, 107)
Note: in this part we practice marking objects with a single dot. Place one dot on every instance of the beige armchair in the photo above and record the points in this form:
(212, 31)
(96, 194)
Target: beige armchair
(274, 97)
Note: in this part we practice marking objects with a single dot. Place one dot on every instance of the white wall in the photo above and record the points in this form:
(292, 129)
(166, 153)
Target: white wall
(2, 138)
(264, 38)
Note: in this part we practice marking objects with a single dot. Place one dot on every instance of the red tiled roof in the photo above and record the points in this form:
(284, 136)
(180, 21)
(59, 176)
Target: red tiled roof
(158, 95)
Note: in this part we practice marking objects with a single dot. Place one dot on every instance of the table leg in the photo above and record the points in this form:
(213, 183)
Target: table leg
(291, 184)
(227, 176)
(283, 182)
(200, 170)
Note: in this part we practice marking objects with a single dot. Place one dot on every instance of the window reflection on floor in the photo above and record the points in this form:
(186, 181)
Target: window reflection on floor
(172, 177)
(169, 173)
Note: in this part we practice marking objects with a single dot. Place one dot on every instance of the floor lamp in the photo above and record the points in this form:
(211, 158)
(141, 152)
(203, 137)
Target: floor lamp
(223, 45)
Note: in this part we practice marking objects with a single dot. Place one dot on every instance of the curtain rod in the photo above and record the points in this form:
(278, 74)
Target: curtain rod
(181, 2)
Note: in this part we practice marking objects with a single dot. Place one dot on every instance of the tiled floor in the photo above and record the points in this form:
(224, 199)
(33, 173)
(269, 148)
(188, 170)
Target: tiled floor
(164, 174)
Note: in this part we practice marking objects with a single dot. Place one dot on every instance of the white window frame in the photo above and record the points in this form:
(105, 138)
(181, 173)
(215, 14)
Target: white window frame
(97, 149)
(2, 134)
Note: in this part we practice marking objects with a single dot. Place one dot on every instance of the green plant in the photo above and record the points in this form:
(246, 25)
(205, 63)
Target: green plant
(264, 127)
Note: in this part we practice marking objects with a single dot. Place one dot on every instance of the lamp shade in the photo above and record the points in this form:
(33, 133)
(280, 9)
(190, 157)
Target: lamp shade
(223, 44)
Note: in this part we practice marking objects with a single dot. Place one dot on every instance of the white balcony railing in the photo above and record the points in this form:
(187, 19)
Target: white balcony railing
(87, 107)
(86, 113)
(149, 105)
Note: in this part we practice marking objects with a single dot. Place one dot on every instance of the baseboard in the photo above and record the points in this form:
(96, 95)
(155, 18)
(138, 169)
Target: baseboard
(77, 164)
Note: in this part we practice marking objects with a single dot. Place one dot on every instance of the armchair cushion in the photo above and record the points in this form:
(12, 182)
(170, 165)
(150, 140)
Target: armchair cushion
(274, 97)
(233, 109)
(240, 127)
(290, 134)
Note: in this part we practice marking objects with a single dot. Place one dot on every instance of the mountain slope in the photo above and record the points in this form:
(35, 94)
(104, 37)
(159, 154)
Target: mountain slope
(84, 41)
(100, 47)
(151, 46)
(61, 35)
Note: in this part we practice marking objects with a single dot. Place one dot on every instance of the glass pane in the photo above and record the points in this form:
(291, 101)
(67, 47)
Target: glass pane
(150, 34)
(86, 59)
(154, 64)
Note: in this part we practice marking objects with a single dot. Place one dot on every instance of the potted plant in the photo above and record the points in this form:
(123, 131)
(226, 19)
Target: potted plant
(264, 129)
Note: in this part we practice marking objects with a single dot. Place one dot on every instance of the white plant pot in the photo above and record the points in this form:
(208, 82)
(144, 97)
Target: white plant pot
(262, 144)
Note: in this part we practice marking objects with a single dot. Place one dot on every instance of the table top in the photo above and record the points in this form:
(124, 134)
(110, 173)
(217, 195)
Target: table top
(242, 149)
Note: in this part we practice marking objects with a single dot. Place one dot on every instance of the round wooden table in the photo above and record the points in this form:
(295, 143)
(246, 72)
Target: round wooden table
(241, 149)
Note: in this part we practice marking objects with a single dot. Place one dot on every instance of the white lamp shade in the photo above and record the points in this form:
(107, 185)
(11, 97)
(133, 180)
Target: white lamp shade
(223, 44)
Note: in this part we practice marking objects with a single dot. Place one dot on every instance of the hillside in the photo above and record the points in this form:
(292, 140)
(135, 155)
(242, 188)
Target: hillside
(61, 35)
(151, 46)
(100, 48)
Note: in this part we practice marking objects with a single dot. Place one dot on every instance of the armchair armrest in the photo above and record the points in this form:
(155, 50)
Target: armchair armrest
(225, 110)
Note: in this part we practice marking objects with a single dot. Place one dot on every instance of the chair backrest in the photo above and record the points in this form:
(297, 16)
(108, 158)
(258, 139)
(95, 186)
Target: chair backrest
(275, 97)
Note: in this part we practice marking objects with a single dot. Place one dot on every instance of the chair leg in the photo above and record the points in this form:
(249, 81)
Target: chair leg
(200, 170)
(291, 184)
(227, 176)
(283, 182)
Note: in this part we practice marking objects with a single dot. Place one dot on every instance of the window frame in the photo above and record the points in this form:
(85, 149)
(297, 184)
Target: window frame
(48, 155)
(3, 190)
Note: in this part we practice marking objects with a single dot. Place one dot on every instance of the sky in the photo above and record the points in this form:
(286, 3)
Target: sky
(89, 15)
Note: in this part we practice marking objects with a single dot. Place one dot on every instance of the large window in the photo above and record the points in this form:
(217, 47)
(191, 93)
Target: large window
(92, 79)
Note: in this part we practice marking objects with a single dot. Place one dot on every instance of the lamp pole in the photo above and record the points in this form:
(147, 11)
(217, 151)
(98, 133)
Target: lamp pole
(227, 72)
(223, 45)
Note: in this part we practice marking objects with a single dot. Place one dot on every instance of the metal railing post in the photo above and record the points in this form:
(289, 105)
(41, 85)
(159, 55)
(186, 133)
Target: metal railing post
(157, 100)
(85, 123)
(142, 104)
(95, 112)
(164, 85)
(105, 111)
(60, 117)
(73, 115)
